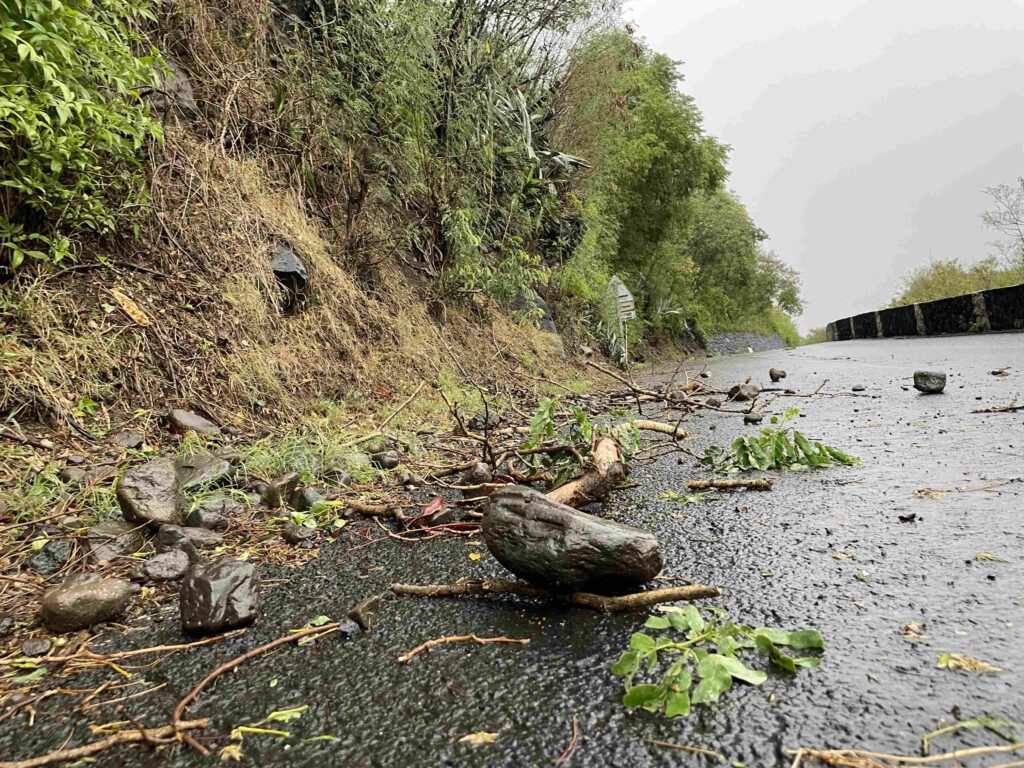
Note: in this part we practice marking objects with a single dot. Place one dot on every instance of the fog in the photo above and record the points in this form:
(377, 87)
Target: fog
(862, 133)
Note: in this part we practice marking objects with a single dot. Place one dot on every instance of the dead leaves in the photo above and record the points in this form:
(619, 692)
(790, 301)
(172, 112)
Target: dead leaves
(479, 739)
(914, 630)
(961, 661)
(133, 310)
(937, 494)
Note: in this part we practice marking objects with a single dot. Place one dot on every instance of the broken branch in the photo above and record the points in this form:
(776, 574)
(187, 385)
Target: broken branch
(761, 484)
(606, 604)
(406, 657)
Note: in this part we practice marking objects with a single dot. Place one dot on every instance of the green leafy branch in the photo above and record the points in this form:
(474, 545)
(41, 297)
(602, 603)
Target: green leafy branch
(777, 447)
(703, 654)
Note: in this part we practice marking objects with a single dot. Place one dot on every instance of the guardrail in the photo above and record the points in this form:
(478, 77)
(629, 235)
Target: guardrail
(998, 309)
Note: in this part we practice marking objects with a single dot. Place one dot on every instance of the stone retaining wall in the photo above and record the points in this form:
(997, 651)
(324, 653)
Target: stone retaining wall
(998, 309)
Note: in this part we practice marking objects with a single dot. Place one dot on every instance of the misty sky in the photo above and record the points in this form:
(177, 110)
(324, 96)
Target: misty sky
(863, 131)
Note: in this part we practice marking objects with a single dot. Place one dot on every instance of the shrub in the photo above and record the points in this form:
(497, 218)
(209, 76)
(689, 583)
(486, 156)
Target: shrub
(72, 122)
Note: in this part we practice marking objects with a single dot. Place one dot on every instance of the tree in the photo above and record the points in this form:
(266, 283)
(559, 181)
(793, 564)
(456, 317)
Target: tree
(943, 278)
(1007, 217)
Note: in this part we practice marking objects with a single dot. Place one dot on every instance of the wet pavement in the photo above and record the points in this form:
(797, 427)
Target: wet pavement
(773, 552)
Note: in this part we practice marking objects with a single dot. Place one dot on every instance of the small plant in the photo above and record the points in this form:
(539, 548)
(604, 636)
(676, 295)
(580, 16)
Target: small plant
(703, 654)
(777, 447)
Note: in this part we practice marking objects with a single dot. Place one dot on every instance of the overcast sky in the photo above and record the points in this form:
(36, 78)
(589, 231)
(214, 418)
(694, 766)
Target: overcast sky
(863, 131)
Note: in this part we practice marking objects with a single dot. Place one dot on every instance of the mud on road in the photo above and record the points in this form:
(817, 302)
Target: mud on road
(775, 554)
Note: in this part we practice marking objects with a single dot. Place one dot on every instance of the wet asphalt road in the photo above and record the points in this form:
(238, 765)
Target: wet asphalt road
(874, 689)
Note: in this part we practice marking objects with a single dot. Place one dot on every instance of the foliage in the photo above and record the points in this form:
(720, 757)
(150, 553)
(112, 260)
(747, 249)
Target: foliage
(568, 442)
(815, 336)
(1007, 217)
(701, 666)
(943, 278)
(777, 447)
(72, 123)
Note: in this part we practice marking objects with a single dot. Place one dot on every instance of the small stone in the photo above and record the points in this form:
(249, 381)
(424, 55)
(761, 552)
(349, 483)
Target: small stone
(713, 402)
(858, 388)
(203, 538)
(71, 522)
(365, 613)
(290, 272)
(203, 470)
(298, 535)
(776, 374)
(303, 500)
(73, 475)
(130, 439)
(929, 382)
(479, 475)
(348, 629)
(386, 460)
(206, 518)
(84, 600)
(753, 418)
(151, 494)
(54, 555)
(338, 476)
(113, 538)
(276, 493)
(173, 537)
(483, 422)
(6, 625)
(75, 460)
(219, 596)
(166, 566)
(36, 646)
(184, 421)
(744, 392)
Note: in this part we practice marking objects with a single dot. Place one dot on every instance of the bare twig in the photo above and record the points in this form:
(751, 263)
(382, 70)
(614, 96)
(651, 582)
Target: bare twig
(572, 742)
(761, 484)
(405, 658)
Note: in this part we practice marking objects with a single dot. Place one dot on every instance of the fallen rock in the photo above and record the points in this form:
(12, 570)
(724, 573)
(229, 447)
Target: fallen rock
(6, 625)
(54, 555)
(298, 535)
(175, 94)
(219, 596)
(365, 612)
(73, 475)
(338, 476)
(556, 546)
(744, 392)
(130, 438)
(929, 382)
(151, 494)
(184, 421)
(776, 374)
(113, 538)
(83, 600)
(290, 272)
(302, 500)
(172, 538)
(201, 517)
(75, 460)
(36, 646)
(275, 494)
(166, 566)
(479, 475)
(386, 460)
(858, 388)
(482, 422)
(348, 628)
(203, 469)
(713, 402)
(753, 418)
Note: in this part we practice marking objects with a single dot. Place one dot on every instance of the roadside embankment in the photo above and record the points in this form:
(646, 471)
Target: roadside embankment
(998, 309)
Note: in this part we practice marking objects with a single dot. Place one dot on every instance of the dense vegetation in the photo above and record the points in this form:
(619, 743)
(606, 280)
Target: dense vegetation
(490, 147)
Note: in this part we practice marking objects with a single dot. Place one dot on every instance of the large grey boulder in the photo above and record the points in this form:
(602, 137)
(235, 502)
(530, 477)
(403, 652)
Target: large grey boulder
(83, 600)
(744, 392)
(151, 494)
(556, 546)
(290, 272)
(113, 538)
(929, 382)
(219, 596)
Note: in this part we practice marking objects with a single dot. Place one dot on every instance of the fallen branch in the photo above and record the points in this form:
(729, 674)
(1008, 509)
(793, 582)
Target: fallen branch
(389, 419)
(164, 735)
(659, 426)
(1010, 407)
(191, 696)
(614, 604)
(761, 484)
(572, 742)
(685, 748)
(374, 510)
(407, 657)
(604, 474)
(44, 445)
(859, 758)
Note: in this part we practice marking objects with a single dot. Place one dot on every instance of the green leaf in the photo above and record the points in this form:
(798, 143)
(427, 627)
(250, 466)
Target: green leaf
(643, 695)
(777, 657)
(641, 642)
(677, 704)
(31, 677)
(658, 622)
(627, 664)
(711, 687)
(688, 619)
(716, 662)
(801, 639)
